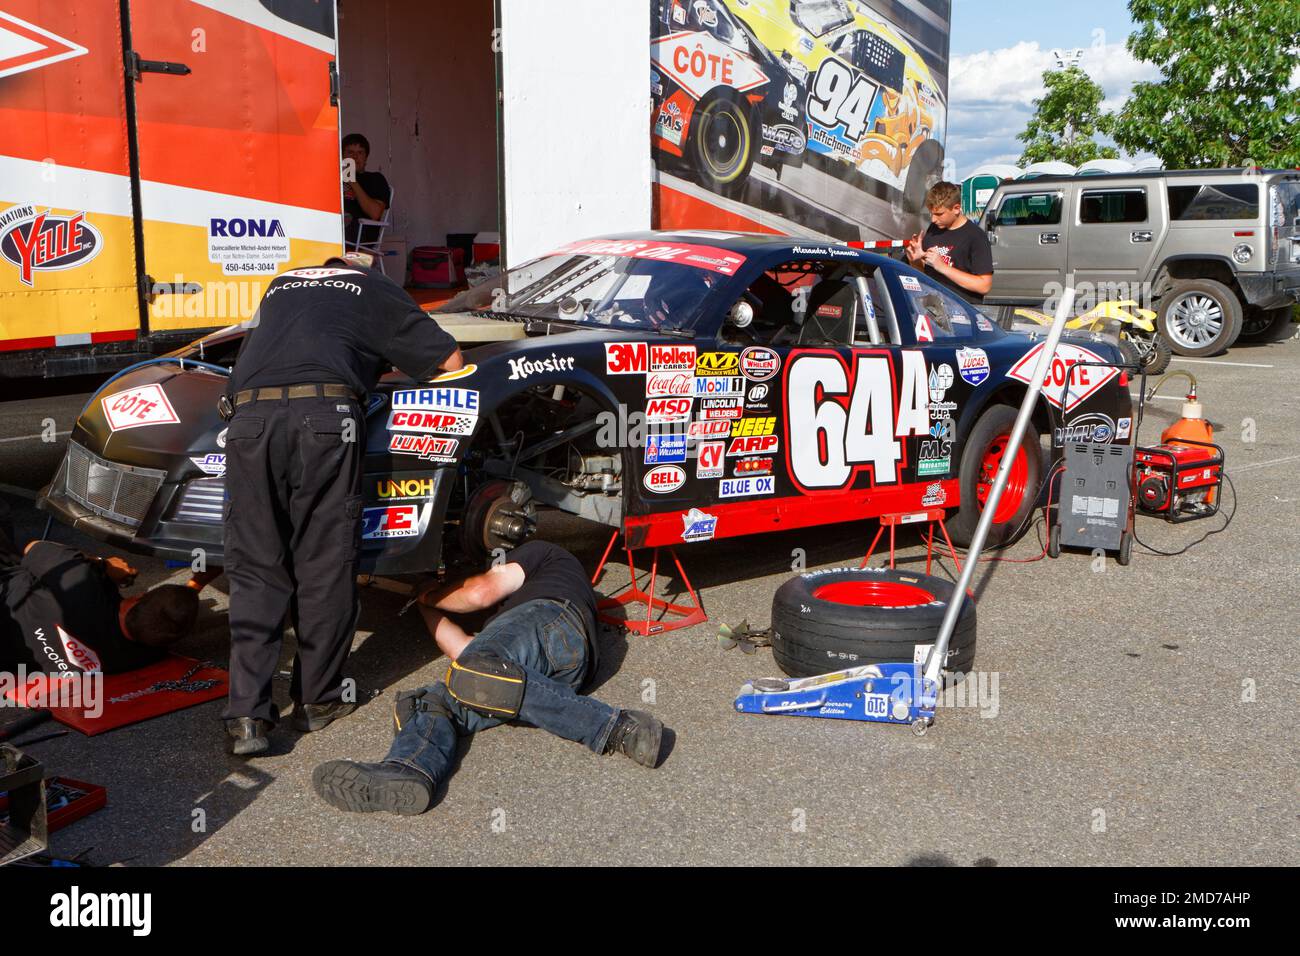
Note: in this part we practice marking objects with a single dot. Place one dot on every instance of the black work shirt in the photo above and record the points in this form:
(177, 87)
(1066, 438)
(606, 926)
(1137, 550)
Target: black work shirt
(376, 187)
(553, 574)
(337, 325)
(68, 620)
(965, 248)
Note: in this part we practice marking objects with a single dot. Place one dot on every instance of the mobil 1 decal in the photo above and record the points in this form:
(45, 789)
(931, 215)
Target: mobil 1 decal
(847, 414)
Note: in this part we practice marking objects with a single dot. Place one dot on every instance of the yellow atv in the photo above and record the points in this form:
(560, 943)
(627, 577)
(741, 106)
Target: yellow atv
(1139, 341)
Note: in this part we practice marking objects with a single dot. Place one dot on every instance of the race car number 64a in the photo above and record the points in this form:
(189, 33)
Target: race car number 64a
(835, 439)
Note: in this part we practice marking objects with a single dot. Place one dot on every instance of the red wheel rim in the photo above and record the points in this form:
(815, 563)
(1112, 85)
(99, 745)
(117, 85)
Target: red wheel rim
(1017, 480)
(873, 594)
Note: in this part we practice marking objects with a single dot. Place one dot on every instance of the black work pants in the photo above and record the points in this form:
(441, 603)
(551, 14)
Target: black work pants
(292, 535)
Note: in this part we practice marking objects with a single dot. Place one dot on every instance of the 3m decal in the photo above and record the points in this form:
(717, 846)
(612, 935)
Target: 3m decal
(663, 449)
(138, 407)
(972, 365)
(746, 487)
(753, 445)
(455, 400)
(847, 418)
(405, 488)
(45, 241)
(758, 364)
(1083, 383)
(698, 525)
(395, 521)
(659, 384)
(754, 426)
(710, 462)
(429, 447)
(663, 410)
(672, 358)
(664, 479)
(717, 363)
(626, 358)
(418, 420)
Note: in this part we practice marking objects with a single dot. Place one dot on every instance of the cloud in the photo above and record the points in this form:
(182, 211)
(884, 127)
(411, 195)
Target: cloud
(991, 95)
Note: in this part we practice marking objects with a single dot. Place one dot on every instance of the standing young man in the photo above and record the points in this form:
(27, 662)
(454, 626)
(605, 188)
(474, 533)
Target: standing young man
(294, 452)
(528, 663)
(953, 250)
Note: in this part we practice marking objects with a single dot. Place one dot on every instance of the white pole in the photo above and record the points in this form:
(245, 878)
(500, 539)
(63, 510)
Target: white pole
(934, 661)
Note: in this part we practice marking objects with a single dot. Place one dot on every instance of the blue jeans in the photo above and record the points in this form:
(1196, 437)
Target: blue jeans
(546, 639)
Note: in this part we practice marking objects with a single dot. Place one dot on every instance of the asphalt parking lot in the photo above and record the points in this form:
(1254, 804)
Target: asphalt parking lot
(1140, 715)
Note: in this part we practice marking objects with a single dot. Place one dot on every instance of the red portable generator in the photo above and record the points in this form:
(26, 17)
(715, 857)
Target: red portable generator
(1179, 480)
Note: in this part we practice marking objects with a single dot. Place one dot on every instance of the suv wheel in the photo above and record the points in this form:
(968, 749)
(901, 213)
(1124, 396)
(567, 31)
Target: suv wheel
(1267, 325)
(1200, 317)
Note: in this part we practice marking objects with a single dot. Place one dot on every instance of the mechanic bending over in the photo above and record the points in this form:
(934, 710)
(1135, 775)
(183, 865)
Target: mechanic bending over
(295, 444)
(954, 250)
(528, 662)
(62, 611)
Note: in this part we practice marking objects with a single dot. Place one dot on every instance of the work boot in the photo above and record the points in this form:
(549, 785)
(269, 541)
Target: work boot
(310, 718)
(248, 736)
(367, 787)
(636, 734)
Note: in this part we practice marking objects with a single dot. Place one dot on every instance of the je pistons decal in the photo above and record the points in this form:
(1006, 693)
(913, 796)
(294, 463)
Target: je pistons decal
(138, 407)
(45, 241)
(395, 521)
(758, 364)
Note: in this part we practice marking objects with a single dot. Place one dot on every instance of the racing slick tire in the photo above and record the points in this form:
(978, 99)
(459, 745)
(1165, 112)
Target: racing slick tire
(1266, 325)
(721, 145)
(848, 617)
(922, 173)
(981, 456)
(1199, 317)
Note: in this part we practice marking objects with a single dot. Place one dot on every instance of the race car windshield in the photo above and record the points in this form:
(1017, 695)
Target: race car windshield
(820, 17)
(624, 292)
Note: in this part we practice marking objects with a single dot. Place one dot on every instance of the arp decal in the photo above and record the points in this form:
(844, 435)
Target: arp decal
(418, 420)
(429, 447)
(753, 445)
(717, 363)
(665, 410)
(698, 525)
(1083, 383)
(851, 417)
(405, 488)
(626, 358)
(395, 521)
(461, 401)
(746, 487)
(753, 426)
(138, 407)
(664, 479)
(672, 358)
(758, 364)
(46, 241)
(666, 384)
(664, 449)
(710, 463)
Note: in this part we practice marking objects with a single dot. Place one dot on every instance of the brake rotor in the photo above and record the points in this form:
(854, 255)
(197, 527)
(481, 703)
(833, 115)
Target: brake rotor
(499, 514)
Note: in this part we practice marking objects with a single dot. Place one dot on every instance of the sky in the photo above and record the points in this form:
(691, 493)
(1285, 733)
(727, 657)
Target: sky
(1000, 49)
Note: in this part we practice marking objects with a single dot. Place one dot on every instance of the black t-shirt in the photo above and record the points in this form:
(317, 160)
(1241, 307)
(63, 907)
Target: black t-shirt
(376, 187)
(339, 325)
(553, 574)
(67, 617)
(965, 248)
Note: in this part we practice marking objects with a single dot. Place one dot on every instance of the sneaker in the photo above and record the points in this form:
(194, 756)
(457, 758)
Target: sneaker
(310, 718)
(637, 735)
(368, 787)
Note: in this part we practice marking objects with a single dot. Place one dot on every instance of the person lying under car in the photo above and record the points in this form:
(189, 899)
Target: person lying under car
(63, 611)
(528, 663)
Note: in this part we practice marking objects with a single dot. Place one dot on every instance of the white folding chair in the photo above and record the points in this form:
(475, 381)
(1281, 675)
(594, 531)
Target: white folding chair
(382, 225)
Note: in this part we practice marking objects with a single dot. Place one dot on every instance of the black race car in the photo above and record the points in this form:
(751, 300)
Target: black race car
(679, 387)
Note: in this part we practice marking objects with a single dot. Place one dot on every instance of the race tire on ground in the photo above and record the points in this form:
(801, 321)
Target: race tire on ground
(1267, 325)
(721, 147)
(981, 455)
(1199, 317)
(922, 173)
(848, 617)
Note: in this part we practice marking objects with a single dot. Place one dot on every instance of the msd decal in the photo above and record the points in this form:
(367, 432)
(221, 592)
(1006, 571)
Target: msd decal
(395, 521)
(661, 410)
(138, 407)
(852, 417)
(700, 61)
(1083, 383)
(45, 241)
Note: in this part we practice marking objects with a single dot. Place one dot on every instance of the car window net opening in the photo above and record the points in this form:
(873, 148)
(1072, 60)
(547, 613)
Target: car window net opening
(937, 314)
(806, 302)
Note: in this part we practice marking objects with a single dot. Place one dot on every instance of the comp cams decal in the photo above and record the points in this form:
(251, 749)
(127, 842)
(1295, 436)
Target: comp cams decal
(848, 416)
(418, 420)
(138, 407)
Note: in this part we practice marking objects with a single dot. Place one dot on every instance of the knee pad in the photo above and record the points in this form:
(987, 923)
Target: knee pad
(487, 684)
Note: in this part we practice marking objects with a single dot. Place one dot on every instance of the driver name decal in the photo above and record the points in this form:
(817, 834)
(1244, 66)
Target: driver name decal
(709, 258)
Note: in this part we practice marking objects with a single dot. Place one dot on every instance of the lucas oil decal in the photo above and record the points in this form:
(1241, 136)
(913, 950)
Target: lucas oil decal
(973, 365)
(138, 407)
(847, 415)
(45, 241)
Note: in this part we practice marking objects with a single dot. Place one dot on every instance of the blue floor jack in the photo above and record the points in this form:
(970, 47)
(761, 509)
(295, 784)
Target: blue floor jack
(904, 693)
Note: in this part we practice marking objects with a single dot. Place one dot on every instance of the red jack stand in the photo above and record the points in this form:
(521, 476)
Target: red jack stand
(892, 521)
(685, 615)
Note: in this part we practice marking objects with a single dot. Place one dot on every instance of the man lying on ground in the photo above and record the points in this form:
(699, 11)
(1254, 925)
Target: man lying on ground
(527, 663)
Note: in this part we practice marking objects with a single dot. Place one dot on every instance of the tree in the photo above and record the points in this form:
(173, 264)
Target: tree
(1225, 96)
(1065, 121)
